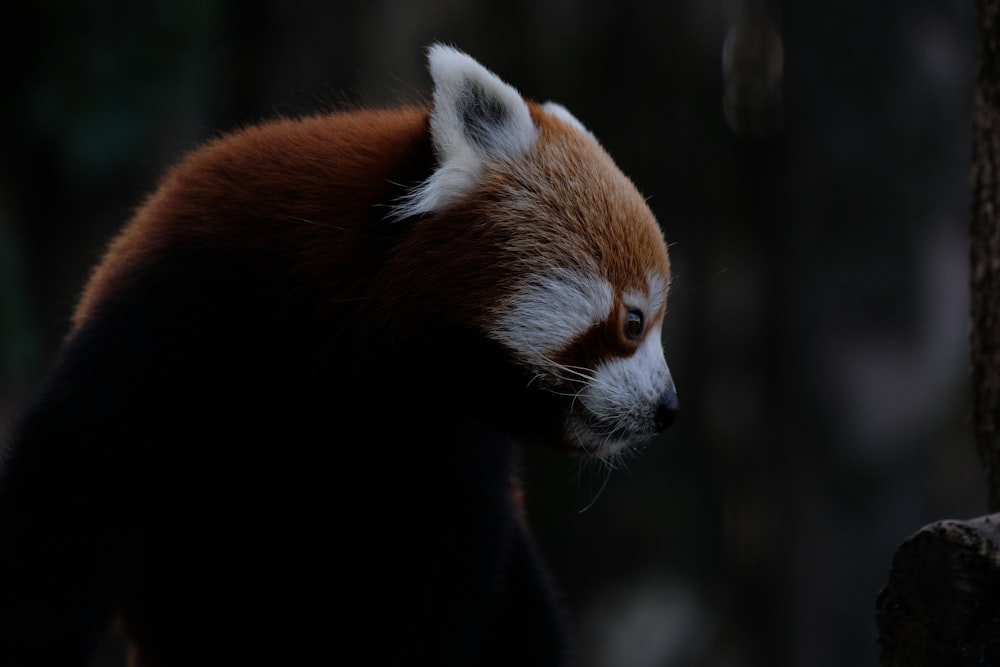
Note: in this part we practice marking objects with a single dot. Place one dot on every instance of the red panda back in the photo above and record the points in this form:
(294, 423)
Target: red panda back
(307, 189)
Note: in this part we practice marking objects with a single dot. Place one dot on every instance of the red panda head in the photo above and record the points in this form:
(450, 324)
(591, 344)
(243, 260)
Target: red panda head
(574, 281)
(520, 270)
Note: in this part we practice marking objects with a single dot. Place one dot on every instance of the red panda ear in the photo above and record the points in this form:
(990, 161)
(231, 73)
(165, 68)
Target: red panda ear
(476, 119)
(563, 114)
(474, 111)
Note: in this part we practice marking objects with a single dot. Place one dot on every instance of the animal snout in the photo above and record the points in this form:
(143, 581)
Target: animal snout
(666, 410)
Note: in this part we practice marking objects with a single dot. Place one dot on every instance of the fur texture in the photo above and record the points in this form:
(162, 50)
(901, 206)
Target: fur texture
(284, 425)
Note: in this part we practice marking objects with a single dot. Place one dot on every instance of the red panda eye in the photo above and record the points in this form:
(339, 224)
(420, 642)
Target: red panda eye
(633, 324)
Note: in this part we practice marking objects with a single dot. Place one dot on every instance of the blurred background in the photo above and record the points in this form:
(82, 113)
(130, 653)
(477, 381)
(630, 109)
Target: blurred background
(809, 166)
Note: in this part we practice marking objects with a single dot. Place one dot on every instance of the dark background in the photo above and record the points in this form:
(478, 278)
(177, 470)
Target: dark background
(809, 165)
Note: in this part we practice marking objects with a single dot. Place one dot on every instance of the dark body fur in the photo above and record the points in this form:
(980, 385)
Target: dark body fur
(258, 446)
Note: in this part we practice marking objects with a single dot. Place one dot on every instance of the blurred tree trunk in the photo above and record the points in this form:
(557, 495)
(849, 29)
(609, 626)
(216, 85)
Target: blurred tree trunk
(984, 235)
(941, 605)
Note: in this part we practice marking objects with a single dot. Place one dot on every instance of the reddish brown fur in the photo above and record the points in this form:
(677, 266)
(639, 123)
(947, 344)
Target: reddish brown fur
(261, 308)
(342, 174)
(617, 218)
(501, 233)
(319, 176)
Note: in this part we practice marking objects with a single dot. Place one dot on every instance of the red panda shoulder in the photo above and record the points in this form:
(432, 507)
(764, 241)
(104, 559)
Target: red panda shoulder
(286, 186)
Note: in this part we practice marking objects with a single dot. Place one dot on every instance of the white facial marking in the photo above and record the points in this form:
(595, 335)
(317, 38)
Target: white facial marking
(547, 311)
(616, 403)
(637, 300)
(652, 300)
(622, 399)
(658, 289)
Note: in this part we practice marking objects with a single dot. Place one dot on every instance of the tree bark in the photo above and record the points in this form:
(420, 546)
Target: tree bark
(941, 605)
(984, 236)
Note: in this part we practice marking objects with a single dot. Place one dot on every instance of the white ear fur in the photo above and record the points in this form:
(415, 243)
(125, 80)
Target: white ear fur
(563, 114)
(476, 119)
(474, 111)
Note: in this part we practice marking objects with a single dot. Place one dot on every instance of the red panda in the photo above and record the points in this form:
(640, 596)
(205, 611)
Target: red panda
(284, 425)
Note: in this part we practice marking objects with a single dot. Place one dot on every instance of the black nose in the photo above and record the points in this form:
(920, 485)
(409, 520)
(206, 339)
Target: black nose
(666, 410)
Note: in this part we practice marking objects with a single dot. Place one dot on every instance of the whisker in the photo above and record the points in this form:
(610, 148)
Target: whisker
(582, 373)
(600, 491)
(318, 224)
